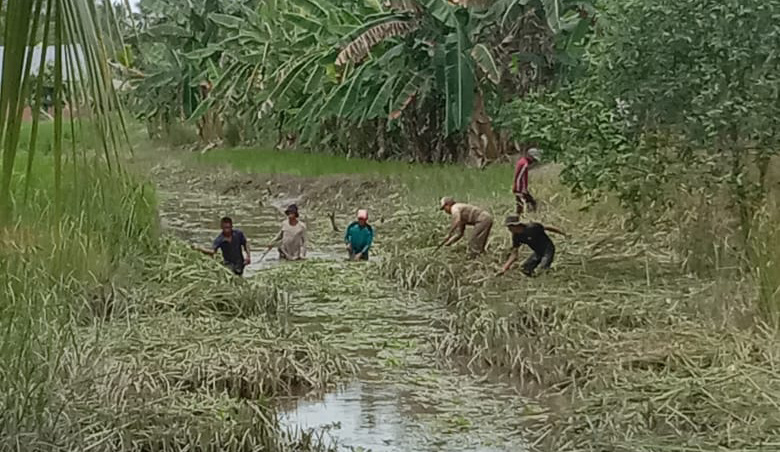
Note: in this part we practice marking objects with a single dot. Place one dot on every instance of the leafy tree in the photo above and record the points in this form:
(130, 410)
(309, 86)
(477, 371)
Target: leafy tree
(176, 53)
(693, 99)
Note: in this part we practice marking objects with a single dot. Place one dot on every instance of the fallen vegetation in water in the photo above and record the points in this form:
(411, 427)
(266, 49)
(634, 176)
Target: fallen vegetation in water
(200, 372)
(173, 383)
(624, 349)
(625, 352)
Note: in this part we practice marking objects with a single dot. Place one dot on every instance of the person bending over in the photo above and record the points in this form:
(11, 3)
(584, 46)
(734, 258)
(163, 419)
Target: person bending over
(467, 215)
(535, 236)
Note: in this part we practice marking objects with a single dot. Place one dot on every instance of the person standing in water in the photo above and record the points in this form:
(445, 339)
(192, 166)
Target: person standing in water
(359, 237)
(523, 197)
(233, 244)
(533, 235)
(292, 236)
(467, 215)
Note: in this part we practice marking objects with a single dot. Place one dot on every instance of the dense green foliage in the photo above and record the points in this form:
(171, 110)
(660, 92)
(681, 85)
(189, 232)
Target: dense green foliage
(691, 102)
(404, 79)
(53, 265)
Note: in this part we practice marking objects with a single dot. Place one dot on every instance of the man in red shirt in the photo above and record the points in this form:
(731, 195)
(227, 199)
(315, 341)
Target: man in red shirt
(520, 182)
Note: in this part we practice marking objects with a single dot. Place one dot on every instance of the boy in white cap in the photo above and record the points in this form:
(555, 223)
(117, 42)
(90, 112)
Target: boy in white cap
(467, 215)
(520, 182)
(359, 237)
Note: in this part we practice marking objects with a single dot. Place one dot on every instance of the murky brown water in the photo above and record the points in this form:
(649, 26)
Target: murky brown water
(401, 400)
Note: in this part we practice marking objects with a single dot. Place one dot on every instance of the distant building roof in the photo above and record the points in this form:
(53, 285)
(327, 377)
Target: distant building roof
(71, 53)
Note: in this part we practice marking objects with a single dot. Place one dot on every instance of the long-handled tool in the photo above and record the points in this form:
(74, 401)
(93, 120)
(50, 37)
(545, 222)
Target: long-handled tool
(441, 245)
(266, 252)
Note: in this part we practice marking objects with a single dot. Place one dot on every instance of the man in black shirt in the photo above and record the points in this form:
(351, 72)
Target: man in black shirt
(533, 235)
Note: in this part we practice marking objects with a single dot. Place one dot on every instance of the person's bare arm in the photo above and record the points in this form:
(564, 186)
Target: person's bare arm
(458, 229)
(555, 230)
(512, 259)
(248, 258)
(276, 239)
(303, 242)
(206, 251)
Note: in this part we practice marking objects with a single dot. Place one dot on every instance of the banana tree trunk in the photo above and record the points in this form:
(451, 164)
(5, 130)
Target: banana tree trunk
(483, 147)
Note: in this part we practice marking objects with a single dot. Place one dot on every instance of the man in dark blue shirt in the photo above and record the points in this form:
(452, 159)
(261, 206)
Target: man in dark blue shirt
(232, 243)
(533, 235)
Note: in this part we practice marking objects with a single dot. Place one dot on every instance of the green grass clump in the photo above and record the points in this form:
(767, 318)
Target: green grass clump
(627, 352)
(49, 260)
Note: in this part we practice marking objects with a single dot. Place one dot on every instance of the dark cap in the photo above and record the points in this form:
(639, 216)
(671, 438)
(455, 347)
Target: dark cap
(292, 208)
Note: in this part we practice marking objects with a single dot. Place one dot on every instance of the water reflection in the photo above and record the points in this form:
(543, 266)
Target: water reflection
(379, 417)
(361, 415)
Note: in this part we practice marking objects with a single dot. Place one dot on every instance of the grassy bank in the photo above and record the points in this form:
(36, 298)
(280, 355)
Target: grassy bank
(418, 180)
(626, 349)
(115, 337)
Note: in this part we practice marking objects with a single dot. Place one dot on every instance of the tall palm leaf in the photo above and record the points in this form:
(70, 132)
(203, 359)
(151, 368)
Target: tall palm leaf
(74, 25)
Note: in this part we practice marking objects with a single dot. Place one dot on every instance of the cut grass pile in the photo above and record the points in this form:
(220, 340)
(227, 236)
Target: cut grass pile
(626, 351)
(174, 382)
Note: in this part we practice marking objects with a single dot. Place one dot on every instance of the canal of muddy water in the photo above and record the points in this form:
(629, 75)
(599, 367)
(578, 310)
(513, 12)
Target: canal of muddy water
(401, 399)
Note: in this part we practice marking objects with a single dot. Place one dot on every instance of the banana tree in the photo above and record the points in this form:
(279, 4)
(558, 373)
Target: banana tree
(408, 60)
(179, 49)
(427, 72)
(362, 63)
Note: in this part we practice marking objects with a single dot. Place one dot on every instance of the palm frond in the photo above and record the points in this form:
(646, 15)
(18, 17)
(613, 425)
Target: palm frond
(81, 79)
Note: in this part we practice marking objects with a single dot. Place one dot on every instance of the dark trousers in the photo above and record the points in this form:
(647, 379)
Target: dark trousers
(536, 259)
(238, 269)
(363, 257)
(523, 199)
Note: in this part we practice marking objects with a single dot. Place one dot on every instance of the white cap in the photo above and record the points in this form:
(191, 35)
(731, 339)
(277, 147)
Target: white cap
(446, 200)
(535, 153)
(362, 214)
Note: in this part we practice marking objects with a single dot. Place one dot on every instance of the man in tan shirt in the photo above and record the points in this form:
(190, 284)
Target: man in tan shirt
(467, 215)
(292, 236)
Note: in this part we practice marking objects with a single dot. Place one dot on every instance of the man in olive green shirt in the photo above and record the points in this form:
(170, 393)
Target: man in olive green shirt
(467, 215)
